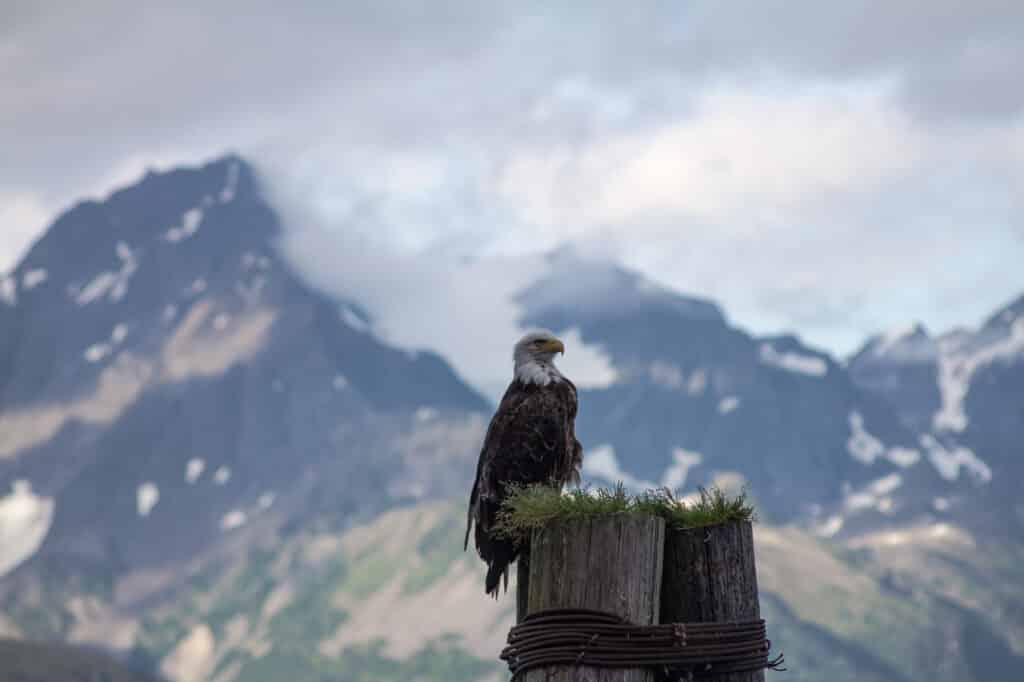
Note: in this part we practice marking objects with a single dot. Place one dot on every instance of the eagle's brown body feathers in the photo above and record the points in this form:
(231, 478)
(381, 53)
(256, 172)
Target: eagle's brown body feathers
(531, 439)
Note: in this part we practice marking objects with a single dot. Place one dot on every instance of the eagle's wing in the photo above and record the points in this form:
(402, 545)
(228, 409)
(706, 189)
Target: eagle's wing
(530, 440)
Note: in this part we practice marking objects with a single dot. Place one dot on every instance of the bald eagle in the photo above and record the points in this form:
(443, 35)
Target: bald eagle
(531, 439)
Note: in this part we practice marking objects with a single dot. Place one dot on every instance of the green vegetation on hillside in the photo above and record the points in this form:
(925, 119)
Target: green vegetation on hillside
(530, 507)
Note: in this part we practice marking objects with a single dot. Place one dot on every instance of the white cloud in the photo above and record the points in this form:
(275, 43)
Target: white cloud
(461, 309)
(737, 155)
(762, 154)
(23, 216)
(587, 365)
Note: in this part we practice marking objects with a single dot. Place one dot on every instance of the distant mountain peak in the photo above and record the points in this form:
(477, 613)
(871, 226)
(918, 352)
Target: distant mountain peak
(581, 288)
(904, 343)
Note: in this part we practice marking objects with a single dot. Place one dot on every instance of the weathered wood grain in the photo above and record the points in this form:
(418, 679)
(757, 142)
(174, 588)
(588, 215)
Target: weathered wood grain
(522, 582)
(709, 575)
(610, 563)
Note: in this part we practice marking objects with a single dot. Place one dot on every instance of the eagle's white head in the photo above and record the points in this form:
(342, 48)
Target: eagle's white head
(534, 357)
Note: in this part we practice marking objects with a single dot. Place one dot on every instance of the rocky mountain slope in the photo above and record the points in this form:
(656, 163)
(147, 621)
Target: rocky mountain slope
(168, 389)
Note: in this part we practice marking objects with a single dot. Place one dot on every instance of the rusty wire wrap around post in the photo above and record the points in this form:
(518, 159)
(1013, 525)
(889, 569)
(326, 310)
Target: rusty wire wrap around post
(603, 640)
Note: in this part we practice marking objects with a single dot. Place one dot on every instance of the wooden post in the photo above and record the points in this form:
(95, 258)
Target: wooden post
(522, 582)
(610, 563)
(710, 576)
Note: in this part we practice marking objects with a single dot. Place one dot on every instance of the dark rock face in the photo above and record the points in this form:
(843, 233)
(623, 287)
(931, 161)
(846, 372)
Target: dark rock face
(902, 368)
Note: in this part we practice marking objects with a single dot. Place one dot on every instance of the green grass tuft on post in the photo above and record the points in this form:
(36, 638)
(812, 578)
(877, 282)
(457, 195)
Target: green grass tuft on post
(529, 507)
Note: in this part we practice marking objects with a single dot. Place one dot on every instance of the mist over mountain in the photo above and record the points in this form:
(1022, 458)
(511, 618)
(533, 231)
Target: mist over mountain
(210, 442)
(167, 383)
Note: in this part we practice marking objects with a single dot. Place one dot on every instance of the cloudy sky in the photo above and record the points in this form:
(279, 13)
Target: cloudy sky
(829, 168)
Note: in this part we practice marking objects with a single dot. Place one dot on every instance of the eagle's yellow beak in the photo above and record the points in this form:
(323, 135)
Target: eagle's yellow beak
(554, 346)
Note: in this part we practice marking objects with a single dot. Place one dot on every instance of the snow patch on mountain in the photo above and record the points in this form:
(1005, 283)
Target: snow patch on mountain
(876, 495)
(25, 519)
(793, 362)
(666, 374)
(957, 364)
(948, 460)
(222, 475)
(675, 475)
(194, 469)
(233, 519)
(231, 183)
(862, 445)
(903, 457)
(601, 462)
(112, 284)
(728, 404)
(190, 221)
(424, 414)
(8, 290)
(99, 351)
(33, 278)
(146, 497)
(96, 352)
(866, 448)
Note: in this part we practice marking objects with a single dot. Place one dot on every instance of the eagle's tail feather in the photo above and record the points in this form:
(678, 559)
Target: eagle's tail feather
(503, 553)
(495, 572)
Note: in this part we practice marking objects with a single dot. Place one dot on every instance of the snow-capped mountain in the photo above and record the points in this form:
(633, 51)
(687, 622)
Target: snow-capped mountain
(166, 382)
(696, 397)
(963, 393)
